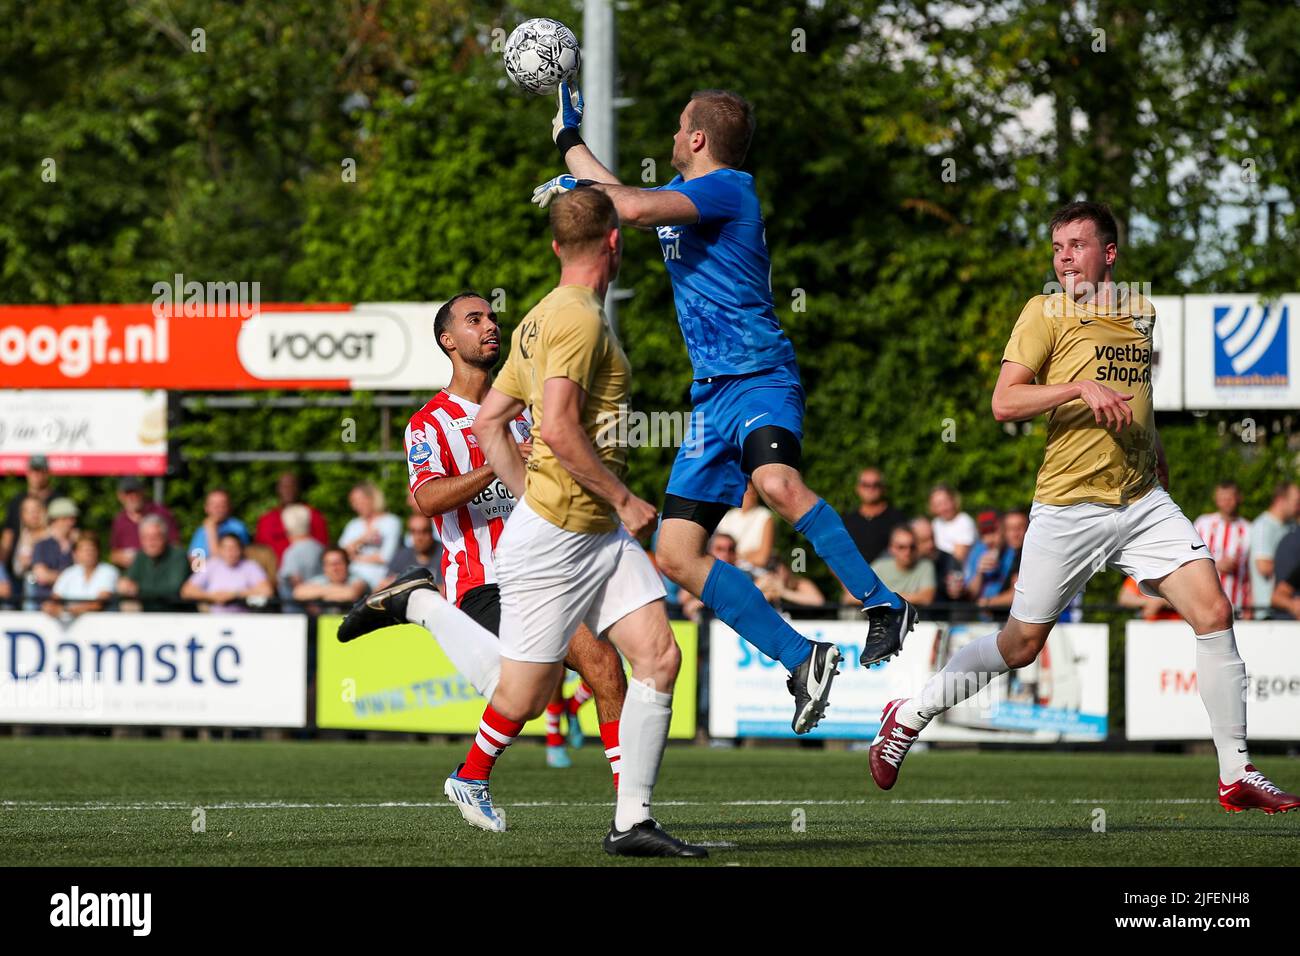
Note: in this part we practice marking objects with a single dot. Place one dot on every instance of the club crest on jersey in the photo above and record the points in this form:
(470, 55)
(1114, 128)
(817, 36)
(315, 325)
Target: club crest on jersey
(420, 453)
(523, 430)
(1143, 323)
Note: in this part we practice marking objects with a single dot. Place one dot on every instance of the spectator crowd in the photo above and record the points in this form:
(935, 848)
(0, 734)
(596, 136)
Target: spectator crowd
(50, 562)
(945, 557)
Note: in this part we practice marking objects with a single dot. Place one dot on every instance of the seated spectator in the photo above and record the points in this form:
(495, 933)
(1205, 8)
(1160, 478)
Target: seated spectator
(85, 585)
(954, 531)
(124, 539)
(6, 587)
(949, 579)
(158, 570)
(52, 553)
(781, 586)
(33, 525)
(423, 551)
(270, 527)
(721, 546)
(1266, 532)
(301, 560)
(334, 585)
(227, 579)
(1285, 599)
(1153, 608)
(988, 565)
(753, 529)
(372, 537)
(38, 487)
(217, 521)
(904, 572)
(1015, 525)
(875, 519)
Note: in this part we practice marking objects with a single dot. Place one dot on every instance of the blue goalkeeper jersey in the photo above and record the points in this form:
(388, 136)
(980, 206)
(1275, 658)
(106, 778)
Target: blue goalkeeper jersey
(722, 278)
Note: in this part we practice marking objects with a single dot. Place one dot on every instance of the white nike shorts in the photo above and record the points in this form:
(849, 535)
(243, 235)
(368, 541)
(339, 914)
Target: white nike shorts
(1067, 544)
(552, 580)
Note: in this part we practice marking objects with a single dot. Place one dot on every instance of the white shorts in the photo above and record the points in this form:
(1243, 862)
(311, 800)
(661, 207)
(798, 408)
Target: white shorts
(1067, 544)
(552, 580)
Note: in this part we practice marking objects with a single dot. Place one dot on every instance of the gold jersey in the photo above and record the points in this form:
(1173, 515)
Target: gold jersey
(1062, 341)
(566, 335)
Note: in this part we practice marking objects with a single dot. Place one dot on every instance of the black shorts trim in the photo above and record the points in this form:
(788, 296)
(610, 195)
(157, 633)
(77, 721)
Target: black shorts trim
(771, 445)
(706, 514)
(483, 604)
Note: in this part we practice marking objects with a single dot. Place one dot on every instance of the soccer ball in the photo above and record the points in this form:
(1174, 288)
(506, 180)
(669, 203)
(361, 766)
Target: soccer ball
(540, 53)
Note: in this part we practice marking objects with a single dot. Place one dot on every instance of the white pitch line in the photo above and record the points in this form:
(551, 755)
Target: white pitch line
(425, 805)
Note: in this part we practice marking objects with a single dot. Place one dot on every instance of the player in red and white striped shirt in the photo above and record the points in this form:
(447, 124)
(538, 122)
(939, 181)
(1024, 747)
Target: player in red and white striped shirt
(1227, 536)
(454, 486)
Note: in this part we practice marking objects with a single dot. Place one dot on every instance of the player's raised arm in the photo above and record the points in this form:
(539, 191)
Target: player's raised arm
(492, 430)
(643, 208)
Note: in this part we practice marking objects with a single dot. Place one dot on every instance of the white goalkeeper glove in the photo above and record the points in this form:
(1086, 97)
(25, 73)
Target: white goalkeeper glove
(548, 190)
(568, 118)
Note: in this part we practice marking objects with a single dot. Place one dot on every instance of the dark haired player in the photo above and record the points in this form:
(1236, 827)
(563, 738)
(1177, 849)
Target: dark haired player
(1099, 500)
(454, 485)
(748, 398)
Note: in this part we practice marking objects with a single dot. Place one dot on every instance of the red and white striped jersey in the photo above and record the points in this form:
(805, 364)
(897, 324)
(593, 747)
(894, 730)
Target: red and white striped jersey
(438, 445)
(1229, 540)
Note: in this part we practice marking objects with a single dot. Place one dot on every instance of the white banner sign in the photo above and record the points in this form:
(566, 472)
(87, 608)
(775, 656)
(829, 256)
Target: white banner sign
(85, 431)
(1167, 362)
(1061, 697)
(1240, 352)
(213, 670)
(1162, 701)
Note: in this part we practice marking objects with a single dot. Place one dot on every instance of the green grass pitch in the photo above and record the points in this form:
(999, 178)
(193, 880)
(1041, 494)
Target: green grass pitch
(88, 801)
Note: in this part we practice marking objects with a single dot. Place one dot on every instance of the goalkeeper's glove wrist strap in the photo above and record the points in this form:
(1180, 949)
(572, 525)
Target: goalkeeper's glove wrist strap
(568, 138)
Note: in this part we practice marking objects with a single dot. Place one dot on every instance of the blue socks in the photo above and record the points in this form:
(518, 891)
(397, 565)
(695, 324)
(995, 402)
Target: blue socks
(741, 606)
(829, 538)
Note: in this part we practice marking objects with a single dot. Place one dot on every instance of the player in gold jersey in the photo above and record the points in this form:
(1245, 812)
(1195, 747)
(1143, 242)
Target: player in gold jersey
(1083, 357)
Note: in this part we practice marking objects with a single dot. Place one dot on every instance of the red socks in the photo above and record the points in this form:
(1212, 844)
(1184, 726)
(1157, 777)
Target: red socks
(495, 734)
(609, 737)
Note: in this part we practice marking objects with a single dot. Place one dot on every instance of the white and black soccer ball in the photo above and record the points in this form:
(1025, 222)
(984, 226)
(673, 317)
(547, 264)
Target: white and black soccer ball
(541, 53)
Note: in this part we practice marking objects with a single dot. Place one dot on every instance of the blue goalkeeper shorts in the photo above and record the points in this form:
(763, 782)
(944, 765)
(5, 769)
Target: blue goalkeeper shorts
(725, 410)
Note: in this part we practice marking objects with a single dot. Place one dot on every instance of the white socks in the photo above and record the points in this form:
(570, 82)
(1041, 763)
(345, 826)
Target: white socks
(643, 734)
(472, 648)
(965, 675)
(1221, 678)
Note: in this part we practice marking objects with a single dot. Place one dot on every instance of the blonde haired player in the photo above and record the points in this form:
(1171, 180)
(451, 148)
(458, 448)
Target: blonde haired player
(1083, 356)
(568, 553)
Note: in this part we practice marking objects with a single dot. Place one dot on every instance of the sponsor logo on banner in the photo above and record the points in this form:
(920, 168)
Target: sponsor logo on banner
(85, 432)
(360, 343)
(405, 683)
(1163, 702)
(1062, 697)
(209, 670)
(1250, 345)
(211, 345)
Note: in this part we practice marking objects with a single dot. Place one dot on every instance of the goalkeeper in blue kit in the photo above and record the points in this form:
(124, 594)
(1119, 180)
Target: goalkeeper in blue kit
(747, 395)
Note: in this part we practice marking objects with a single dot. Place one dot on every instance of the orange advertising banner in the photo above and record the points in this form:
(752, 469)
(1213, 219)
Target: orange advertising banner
(279, 345)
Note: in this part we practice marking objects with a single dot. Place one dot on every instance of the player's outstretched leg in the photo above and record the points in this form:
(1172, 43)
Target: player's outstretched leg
(732, 596)
(1196, 593)
(965, 675)
(413, 598)
(889, 617)
(385, 607)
